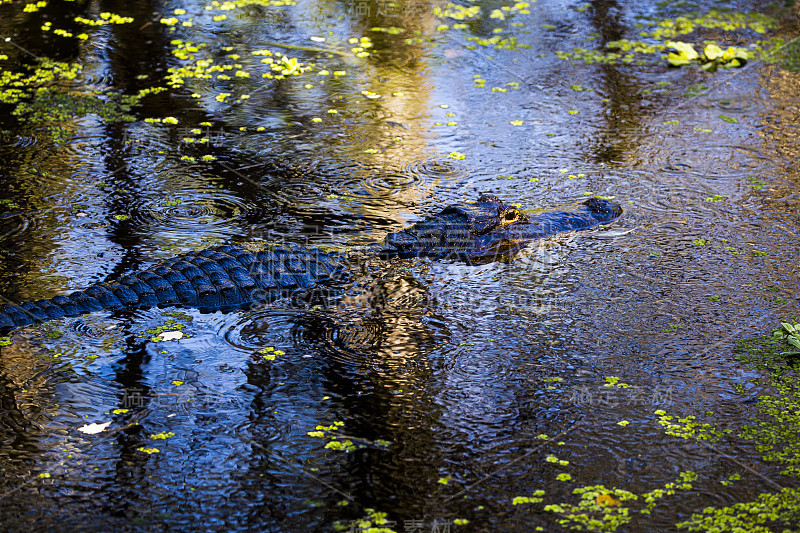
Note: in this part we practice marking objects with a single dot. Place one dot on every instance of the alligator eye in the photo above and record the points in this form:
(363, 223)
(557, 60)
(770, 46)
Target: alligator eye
(511, 215)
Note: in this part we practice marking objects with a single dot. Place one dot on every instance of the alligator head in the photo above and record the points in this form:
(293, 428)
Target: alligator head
(489, 230)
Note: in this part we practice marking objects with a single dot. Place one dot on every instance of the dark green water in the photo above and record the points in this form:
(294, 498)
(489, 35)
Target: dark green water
(443, 376)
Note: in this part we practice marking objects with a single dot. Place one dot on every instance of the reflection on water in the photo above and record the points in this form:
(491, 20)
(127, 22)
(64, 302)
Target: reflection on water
(445, 379)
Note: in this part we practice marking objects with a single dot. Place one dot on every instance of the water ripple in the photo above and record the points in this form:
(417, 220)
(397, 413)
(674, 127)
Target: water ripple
(12, 224)
(738, 104)
(436, 168)
(377, 183)
(217, 208)
(22, 141)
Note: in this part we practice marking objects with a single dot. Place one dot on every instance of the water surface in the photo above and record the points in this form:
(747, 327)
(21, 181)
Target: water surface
(443, 376)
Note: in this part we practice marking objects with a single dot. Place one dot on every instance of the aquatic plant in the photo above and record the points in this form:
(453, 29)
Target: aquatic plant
(658, 37)
(712, 57)
(603, 509)
(774, 432)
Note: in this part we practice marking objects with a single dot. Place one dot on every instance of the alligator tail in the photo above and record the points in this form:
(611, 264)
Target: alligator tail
(218, 278)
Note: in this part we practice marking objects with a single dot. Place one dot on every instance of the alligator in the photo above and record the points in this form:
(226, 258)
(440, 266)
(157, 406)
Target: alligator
(235, 276)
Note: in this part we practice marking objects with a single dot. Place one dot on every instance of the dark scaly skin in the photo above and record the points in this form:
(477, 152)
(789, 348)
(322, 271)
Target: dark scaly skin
(229, 277)
(218, 278)
(489, 229)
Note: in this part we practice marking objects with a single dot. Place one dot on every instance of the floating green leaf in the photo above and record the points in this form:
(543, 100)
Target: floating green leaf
(683, 55)
(712, 52)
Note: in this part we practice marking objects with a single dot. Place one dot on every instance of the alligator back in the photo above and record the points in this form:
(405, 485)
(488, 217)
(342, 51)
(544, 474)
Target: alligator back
(217, 278)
